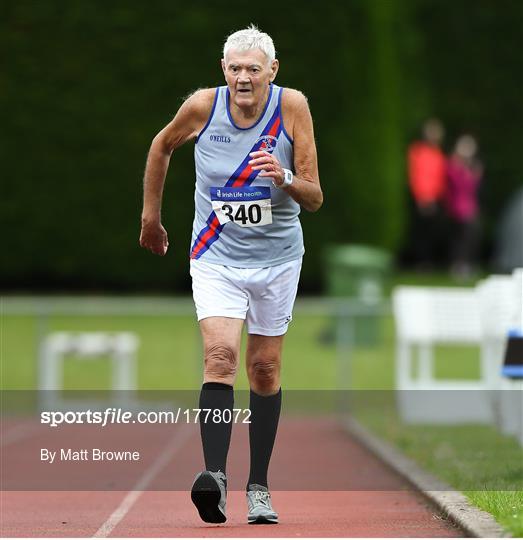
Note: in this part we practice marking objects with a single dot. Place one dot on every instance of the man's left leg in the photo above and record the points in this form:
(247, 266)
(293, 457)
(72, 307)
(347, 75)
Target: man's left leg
(263, 370)
(272, 292)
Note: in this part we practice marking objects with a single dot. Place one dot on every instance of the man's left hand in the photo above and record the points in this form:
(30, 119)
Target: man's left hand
(269, 166)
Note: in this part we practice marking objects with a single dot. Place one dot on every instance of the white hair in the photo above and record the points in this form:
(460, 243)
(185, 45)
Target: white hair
(250, 38)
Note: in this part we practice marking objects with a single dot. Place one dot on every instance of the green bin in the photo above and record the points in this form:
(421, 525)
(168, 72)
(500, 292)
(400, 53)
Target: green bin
(359, 273)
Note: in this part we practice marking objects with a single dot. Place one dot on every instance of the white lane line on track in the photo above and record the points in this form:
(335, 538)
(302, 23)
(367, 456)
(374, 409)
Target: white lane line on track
(174, 445)
(19, 432)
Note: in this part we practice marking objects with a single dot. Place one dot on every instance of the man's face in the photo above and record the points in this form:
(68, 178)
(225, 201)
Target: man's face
(248, 74)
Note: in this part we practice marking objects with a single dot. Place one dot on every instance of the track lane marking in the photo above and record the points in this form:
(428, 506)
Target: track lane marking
(176, 443)
(19, 432)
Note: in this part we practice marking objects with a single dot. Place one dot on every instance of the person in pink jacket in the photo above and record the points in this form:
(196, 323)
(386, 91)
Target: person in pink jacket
(464, 174)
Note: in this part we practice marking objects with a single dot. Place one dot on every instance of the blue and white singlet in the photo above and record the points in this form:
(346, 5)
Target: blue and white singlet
(242, 220)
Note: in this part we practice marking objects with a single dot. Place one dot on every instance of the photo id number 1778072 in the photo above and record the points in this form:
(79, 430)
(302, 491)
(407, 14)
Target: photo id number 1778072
(217, 416)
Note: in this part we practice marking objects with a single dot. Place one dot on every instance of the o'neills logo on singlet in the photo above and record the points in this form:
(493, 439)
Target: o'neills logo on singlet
(220, 138)
(268, 143)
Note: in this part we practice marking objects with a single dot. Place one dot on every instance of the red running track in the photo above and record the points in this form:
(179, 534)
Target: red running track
(350, 493)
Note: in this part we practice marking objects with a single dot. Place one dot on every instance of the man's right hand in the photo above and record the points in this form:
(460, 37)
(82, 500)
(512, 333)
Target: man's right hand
(154, 237)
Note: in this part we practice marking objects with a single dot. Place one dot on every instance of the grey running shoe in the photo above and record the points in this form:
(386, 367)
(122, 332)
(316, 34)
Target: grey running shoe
(208, 494)
(259, 503)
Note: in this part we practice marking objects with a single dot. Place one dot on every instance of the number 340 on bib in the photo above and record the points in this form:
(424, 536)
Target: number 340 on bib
(246, 206)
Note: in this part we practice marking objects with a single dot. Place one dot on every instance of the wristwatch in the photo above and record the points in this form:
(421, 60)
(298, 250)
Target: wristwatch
(288, 177)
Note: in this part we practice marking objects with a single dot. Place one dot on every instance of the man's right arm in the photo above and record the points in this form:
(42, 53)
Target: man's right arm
(186, 125)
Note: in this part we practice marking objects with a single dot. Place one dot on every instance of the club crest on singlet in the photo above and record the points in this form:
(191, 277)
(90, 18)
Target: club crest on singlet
(268, 143)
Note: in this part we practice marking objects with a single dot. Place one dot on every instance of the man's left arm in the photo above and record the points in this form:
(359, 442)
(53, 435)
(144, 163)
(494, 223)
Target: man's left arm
(305, 188)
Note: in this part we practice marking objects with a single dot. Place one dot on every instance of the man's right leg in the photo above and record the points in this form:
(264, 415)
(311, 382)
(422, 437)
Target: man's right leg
(221, 343)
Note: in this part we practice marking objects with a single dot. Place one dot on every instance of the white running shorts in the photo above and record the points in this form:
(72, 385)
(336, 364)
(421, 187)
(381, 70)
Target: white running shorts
(262, 297)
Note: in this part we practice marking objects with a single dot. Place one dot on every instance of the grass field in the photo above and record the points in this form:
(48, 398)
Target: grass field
(170, 355)
(170, 358)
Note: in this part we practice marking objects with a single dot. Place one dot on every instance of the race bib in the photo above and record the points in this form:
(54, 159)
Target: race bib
(246, 206)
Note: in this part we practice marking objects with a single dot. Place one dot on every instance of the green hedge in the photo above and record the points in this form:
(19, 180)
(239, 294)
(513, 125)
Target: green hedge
(90, 83)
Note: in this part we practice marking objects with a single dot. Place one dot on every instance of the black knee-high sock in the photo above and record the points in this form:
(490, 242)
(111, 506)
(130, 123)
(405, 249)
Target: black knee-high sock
(265, 415)
(216, 436)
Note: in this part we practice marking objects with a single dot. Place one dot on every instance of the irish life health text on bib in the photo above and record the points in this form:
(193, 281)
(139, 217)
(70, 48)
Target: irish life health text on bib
(248, 206)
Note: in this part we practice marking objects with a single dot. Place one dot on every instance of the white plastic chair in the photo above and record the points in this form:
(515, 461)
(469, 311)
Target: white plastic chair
(425, 317)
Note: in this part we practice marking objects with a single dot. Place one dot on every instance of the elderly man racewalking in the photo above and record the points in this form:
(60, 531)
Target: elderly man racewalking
(256, 164)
